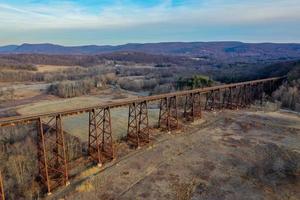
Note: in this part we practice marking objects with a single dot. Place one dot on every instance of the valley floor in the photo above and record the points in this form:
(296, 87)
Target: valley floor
(226, 155)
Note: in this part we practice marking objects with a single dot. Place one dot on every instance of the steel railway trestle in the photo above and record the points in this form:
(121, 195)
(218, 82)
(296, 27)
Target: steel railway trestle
(51, 145)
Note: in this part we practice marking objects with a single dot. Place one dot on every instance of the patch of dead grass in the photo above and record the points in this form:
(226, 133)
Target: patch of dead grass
(85, 187)
(89, 172)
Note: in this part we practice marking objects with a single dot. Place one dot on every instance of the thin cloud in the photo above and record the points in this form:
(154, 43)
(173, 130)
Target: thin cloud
(70, 15)
(120, 20)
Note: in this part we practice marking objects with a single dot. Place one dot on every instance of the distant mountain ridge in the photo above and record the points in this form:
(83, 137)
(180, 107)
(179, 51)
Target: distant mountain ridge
(215, 49)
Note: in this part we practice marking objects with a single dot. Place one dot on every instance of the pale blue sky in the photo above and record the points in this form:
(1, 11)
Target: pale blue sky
(79, 22)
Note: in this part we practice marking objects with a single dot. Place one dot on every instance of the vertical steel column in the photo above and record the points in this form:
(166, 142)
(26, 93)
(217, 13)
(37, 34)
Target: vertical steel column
(163, 112)
(239, 97)
(138, 124)
(235, 96)
(189, 107)
(270, 89)
(200, 108)
(2, 195)
(207, 95)
(229, 99)
(106, 139)
(243, 101)
(224, 98)
(42, 157)
(252, 93)
(246, 95)
(100, 136)
(168, 115)
(213, 101)
(261, 93)
(220, 97)
(61, 156)
(210, 100)
(94, 146)
(173, 113)
(192, 106)
(143, 125)
(132, 130)
(249, 95)
(52, 159)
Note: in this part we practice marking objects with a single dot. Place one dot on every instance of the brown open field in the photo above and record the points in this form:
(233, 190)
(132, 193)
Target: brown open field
(78, 125)
(53, 68)
(227, 155)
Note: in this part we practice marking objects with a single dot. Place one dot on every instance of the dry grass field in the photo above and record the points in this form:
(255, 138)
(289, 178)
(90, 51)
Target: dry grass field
(78, 125)
(58, 105)
(53, 68)
(227, 155)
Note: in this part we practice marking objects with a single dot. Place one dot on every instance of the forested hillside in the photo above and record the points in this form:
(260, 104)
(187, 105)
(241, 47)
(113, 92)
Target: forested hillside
(219, 50)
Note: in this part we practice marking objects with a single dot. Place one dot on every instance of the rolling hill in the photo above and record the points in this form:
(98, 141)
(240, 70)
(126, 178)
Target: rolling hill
(194, 49)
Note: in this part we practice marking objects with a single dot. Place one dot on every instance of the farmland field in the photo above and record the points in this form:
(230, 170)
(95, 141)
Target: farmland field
(53, 68)
(78, 125)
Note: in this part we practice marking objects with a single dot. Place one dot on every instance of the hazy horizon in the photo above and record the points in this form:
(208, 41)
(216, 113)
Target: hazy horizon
(115, 22)
(159, 42)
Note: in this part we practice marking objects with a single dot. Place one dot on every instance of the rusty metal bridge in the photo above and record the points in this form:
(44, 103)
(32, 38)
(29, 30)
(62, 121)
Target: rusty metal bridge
(51, 140)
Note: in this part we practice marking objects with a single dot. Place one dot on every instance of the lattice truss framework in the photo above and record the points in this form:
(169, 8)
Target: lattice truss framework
(138, 132)
(51, 153)
(192, 107)
(101, 148)
(168, 113)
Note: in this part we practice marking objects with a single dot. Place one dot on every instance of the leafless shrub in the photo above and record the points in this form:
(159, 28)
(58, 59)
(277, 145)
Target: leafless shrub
(288, 94)
(275, 165)
(67, 89)
(165, 88)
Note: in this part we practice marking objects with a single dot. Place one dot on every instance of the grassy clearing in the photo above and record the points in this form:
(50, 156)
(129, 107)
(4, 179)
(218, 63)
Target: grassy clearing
(85, 187)
(53, 68)
(78, 125)
(59, 105)
(89, 172)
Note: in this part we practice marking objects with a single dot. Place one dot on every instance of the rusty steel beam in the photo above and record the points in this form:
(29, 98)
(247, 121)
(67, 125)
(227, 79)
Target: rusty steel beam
(163, 112)
(234, 97)
(2, 195)
(42, 156)
(168, 113)
(212, 100)
(224, 98)
(106, 142)
(192, 107)
(100, 147)
(247, 100)
(51, 153)
(238, 99)
(138, 124)
(11, 121)
(209, 100)
(94, 138)
(241, 101)
(132, 129)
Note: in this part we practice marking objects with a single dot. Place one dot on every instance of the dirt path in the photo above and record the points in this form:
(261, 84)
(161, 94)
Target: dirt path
(233, 155)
